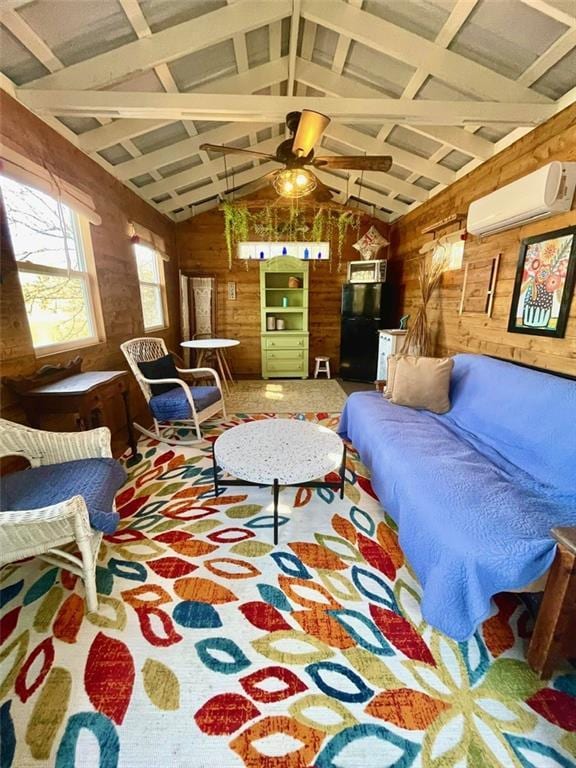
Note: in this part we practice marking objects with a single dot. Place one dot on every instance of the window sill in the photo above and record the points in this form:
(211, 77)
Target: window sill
(55, 349)
(156, 328)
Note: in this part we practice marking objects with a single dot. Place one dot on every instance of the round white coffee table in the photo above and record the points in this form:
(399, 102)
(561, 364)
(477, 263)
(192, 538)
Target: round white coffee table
(279, 452)
(217, 346)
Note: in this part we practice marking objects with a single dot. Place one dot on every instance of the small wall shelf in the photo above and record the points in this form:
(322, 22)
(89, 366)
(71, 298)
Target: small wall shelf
(284, 352)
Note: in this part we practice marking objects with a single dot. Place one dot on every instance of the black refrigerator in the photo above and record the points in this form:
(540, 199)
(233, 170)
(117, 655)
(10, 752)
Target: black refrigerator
(366, 309)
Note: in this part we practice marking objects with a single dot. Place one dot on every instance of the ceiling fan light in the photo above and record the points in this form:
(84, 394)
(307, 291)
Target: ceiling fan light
(294, 182)
(310, 129)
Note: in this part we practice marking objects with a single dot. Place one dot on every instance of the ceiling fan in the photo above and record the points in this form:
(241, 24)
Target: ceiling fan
(295, 179)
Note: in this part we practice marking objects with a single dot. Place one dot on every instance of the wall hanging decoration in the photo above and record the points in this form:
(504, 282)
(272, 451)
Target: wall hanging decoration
(478, 287)
(544, 284)
(370, 243)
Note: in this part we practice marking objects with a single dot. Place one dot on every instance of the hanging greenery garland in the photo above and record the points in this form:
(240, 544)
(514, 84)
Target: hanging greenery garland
(275, 223)
(318, 225)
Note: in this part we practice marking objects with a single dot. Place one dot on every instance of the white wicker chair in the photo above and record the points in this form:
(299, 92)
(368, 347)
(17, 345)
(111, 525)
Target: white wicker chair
(44, 531)
(147, 349)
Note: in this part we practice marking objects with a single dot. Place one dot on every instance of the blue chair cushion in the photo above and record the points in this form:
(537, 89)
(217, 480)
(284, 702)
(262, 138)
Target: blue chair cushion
(96, 480)
(174, 406)
(162, 368)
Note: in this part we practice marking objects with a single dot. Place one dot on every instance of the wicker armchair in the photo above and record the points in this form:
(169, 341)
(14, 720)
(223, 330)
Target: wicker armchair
(44, 530)
(183, 404)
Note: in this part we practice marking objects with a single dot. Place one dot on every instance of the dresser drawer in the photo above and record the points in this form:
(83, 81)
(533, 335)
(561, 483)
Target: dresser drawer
(285, 342)
(294, 355)
(293, 367)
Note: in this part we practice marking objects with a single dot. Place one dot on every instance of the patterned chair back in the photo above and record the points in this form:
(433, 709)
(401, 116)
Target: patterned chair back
(143, 350)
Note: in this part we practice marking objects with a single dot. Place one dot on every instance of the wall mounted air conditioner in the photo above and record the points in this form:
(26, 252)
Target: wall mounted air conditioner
(545, 192)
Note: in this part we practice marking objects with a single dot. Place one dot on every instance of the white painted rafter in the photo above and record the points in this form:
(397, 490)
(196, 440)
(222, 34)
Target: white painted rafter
(34, 43)
(293, 47)
(185, 148)
(129, 59)
(140, 26)
(338, 85)
(254, 79)
(212, 168)
(453, 24)
(218, 107)
(241, 56)
(217, 188)
(209, 191)
(415, 50)
(360, 141)
(165, 46)
(564, 17)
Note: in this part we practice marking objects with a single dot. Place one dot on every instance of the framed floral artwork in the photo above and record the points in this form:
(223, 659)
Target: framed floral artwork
(544, 284)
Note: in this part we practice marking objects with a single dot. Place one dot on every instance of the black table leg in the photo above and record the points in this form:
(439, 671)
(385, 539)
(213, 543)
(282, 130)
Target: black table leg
(276, 490)
(343, 472)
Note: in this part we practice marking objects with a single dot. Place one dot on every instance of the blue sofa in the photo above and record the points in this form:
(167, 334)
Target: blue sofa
(474, 491)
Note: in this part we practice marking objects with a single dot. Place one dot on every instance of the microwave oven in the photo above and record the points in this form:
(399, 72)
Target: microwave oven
(367, 271)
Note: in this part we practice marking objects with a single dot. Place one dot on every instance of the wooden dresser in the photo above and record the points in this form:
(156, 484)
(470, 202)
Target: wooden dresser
(284, 350)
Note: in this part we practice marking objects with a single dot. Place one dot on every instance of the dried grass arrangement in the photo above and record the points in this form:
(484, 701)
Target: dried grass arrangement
(418, 340)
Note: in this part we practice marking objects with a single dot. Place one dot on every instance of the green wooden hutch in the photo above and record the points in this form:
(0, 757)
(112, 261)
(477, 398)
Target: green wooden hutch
(284, 352)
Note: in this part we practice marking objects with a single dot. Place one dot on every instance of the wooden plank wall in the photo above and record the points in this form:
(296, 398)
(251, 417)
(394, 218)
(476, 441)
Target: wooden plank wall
(554, 140)
(115, 264)
(202, 250)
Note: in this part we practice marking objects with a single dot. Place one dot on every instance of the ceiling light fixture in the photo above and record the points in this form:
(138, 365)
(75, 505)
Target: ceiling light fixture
(294, 182)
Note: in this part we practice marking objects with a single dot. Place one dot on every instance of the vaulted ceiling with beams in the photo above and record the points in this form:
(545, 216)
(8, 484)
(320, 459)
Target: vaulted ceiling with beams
(139, 85)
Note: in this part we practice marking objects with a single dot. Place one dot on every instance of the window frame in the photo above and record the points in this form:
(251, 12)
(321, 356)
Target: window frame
(87, 275)
(160, 285)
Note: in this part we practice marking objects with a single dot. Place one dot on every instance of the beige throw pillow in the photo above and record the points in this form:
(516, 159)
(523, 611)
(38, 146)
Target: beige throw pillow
(423, 383)
(390, 374)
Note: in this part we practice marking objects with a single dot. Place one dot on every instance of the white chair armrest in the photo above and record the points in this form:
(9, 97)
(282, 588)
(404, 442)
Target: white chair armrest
(41, 447)
(209, 371)
(29, 532)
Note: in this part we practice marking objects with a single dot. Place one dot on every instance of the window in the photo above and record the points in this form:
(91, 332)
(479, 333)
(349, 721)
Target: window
(52, 248)
(152, 293)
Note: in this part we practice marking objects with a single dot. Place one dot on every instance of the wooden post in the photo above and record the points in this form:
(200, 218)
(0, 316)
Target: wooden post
(554, 635)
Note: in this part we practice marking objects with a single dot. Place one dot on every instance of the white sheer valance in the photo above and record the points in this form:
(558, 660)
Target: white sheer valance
(25, 171)
(140, 234)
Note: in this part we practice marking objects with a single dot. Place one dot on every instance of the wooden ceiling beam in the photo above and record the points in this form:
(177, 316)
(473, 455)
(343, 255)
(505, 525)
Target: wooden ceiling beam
(253, 80)
(240, 108)
(220, 187)
(211, 168)
(360, 141)
(165, 46)
(399, 43)
(564, 17)
(182, 149)
(293, 47)
(339, 85)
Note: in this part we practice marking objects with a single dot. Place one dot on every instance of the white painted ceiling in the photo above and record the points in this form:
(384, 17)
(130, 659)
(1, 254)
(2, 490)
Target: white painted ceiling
(441, 85)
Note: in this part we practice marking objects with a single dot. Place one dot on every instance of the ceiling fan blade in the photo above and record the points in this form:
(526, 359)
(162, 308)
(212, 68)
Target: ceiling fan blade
(310, 128)
(354, 162)
(322, 193)
(235, 151)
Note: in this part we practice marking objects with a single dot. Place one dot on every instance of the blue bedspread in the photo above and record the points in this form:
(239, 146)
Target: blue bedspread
(475, 491)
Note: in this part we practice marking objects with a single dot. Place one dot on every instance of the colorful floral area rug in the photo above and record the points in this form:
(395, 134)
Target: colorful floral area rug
(213, 649)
